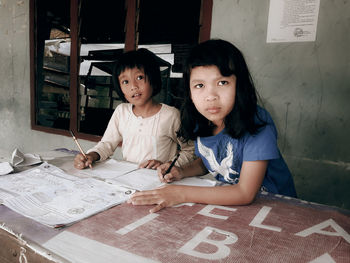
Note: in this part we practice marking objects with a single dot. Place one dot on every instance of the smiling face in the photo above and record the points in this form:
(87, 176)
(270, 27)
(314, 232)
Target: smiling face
(135, 86)
(212, 94)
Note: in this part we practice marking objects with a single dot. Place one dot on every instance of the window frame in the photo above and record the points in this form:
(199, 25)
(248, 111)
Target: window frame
(130, 44)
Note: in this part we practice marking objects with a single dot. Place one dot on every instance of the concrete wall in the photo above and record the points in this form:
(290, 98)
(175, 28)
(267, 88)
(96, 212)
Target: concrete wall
(305, 87)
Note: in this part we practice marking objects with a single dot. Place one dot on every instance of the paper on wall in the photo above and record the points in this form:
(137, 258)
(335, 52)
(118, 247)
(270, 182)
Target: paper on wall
(292, 21)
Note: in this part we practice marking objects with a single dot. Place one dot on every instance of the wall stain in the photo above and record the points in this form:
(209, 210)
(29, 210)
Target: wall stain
(285, 127)
(344, 165)
(321, 91)
(300, 120)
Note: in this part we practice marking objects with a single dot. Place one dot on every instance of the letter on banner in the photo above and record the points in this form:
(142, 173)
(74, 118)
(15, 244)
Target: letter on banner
(260, 217)
(136, 224)
(339, 231)
(325, 258)
(207, 209)
(202, 237)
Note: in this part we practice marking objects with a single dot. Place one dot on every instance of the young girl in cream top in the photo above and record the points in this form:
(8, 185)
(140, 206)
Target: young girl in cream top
(146, 129)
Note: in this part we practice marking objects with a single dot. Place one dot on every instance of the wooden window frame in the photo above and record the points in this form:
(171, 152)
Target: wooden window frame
(130, 44)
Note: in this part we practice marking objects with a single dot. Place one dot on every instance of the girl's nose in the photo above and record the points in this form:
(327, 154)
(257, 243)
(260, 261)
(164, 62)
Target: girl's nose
(134, 86)
(211, 96)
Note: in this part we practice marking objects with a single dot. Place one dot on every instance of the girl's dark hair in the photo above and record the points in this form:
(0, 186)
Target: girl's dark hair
(142, 59)
(230, 61)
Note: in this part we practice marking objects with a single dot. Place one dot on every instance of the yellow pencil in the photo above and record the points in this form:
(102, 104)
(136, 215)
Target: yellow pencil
(80, 149)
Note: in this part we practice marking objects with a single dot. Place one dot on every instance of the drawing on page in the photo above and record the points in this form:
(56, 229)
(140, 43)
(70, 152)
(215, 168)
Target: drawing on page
(75, 211)
(42, 197)
(94, 199)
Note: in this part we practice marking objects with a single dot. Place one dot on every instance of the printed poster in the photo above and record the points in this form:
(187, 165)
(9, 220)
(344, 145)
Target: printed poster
(292, 20)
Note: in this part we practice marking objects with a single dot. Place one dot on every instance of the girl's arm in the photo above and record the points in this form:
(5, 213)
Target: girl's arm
(243, 193)
(186, 152)
(186, 148)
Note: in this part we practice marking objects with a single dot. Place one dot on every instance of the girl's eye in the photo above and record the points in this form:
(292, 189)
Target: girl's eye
(124, 82)
(140, 77)
(198, 86)
(223, 82)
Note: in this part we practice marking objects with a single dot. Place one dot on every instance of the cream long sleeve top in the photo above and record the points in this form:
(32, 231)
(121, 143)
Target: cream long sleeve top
(144, 138)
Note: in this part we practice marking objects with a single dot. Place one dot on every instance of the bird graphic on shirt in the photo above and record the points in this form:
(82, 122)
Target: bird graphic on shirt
(224, 168)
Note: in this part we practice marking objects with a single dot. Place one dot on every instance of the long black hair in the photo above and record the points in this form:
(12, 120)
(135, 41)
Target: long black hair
(143, 59)
(230, 61)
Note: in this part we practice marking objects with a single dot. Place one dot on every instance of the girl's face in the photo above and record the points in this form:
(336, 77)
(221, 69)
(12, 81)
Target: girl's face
(135, 86)
(212, 94)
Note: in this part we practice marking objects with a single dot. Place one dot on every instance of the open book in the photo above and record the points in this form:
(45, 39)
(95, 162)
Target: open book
(128, 175)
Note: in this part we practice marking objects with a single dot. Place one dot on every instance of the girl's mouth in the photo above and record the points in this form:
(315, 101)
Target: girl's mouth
(136, 95)
(213, 109)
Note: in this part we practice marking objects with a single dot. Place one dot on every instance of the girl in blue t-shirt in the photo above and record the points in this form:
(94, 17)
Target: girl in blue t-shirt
(236, 140)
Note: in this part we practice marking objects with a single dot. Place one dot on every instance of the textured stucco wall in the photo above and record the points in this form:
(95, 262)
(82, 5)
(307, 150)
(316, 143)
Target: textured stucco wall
(305, 86)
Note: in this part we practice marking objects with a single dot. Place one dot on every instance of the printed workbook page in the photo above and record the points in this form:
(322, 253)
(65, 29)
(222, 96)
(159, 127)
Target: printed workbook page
(52, 197)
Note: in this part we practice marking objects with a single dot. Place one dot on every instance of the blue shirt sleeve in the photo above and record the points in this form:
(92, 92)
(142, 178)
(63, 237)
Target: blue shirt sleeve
(261, 146)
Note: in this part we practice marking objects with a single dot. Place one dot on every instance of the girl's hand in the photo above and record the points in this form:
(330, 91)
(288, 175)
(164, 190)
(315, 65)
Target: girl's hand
(81, 163)
(175, 174)
(150, 164)
(165, 196)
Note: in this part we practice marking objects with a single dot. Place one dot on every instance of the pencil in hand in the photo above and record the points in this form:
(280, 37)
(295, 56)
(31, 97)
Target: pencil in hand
(80, 149)
(172, 164)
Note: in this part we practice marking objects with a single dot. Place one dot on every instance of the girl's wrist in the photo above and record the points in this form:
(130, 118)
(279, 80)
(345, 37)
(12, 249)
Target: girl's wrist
(181, 194)
(194, 168)
(184, 172)
(95, 156)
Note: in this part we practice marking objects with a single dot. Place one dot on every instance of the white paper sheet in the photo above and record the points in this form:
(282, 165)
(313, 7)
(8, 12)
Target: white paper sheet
(5, 168)
(109, 169)
(20, 160)
(140, 179)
